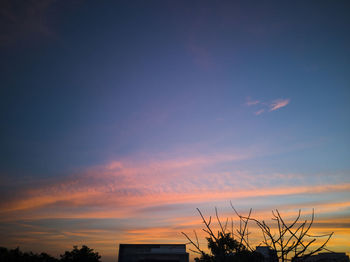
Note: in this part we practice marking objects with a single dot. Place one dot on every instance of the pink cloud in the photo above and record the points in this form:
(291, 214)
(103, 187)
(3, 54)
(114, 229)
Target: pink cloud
(124, 189)
(279, 103)
(274, 105)
(259, 112)
(118, 188)
(136, 189)
(252, 103)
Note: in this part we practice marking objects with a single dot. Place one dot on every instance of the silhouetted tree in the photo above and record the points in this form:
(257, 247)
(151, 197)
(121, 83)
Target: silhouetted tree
(47, 258)
(84, 254)
(15, 255)
(222, 246)
(289, 242)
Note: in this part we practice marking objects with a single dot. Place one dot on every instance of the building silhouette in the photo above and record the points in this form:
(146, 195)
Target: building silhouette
(153, 252)
(269, 255)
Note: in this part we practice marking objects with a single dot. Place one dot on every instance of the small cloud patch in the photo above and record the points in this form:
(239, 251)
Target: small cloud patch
(259, 112)
(267, 107)
(279, 103)
(252, 103)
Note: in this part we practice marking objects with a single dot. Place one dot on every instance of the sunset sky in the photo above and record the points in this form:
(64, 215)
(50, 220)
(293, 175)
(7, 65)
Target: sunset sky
(120, 118)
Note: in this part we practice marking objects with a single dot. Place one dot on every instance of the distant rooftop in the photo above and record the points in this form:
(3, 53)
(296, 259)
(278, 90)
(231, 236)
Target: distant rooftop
(152, 252)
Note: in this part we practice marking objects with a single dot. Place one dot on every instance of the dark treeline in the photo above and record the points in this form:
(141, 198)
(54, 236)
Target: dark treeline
(83, 254)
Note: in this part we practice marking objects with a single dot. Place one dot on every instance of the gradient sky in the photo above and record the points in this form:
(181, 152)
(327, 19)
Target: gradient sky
(119, 118)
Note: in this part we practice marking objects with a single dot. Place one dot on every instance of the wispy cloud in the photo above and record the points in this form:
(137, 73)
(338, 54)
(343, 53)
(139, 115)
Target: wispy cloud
(259, 112)
(125, 191)
(252, 103)
(154, 198)
(267, 106)
(279, 103)
(121, 187)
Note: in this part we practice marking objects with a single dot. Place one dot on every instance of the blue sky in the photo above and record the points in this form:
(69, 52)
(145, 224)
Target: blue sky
(184, 96)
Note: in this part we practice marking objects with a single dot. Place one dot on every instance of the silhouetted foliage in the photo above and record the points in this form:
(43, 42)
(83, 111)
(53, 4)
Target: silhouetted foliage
(15, 255)
(222, 246)
(226, 249)
(84, 254)
(289, 242)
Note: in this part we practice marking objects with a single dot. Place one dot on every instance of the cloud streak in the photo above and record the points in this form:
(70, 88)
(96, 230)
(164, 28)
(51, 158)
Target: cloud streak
(267, 107)
(160, 191)
(120, 188)
(252, 103)
(279, 103)
(259, 112)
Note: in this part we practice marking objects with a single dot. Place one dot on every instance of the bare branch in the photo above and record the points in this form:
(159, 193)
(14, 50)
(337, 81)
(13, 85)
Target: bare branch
(194, 244)
(218, 219)
(207, 224)
(288, 240)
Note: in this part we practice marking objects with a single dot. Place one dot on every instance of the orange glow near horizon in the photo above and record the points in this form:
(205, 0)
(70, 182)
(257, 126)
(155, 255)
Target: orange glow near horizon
(152, 213)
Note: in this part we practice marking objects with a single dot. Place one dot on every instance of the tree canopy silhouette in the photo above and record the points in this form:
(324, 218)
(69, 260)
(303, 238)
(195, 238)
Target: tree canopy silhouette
(15, 255)
(84, 254)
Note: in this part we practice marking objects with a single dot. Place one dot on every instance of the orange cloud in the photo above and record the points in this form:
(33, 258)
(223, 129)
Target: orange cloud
(162, 192)
(119, 203)
(121, 187)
